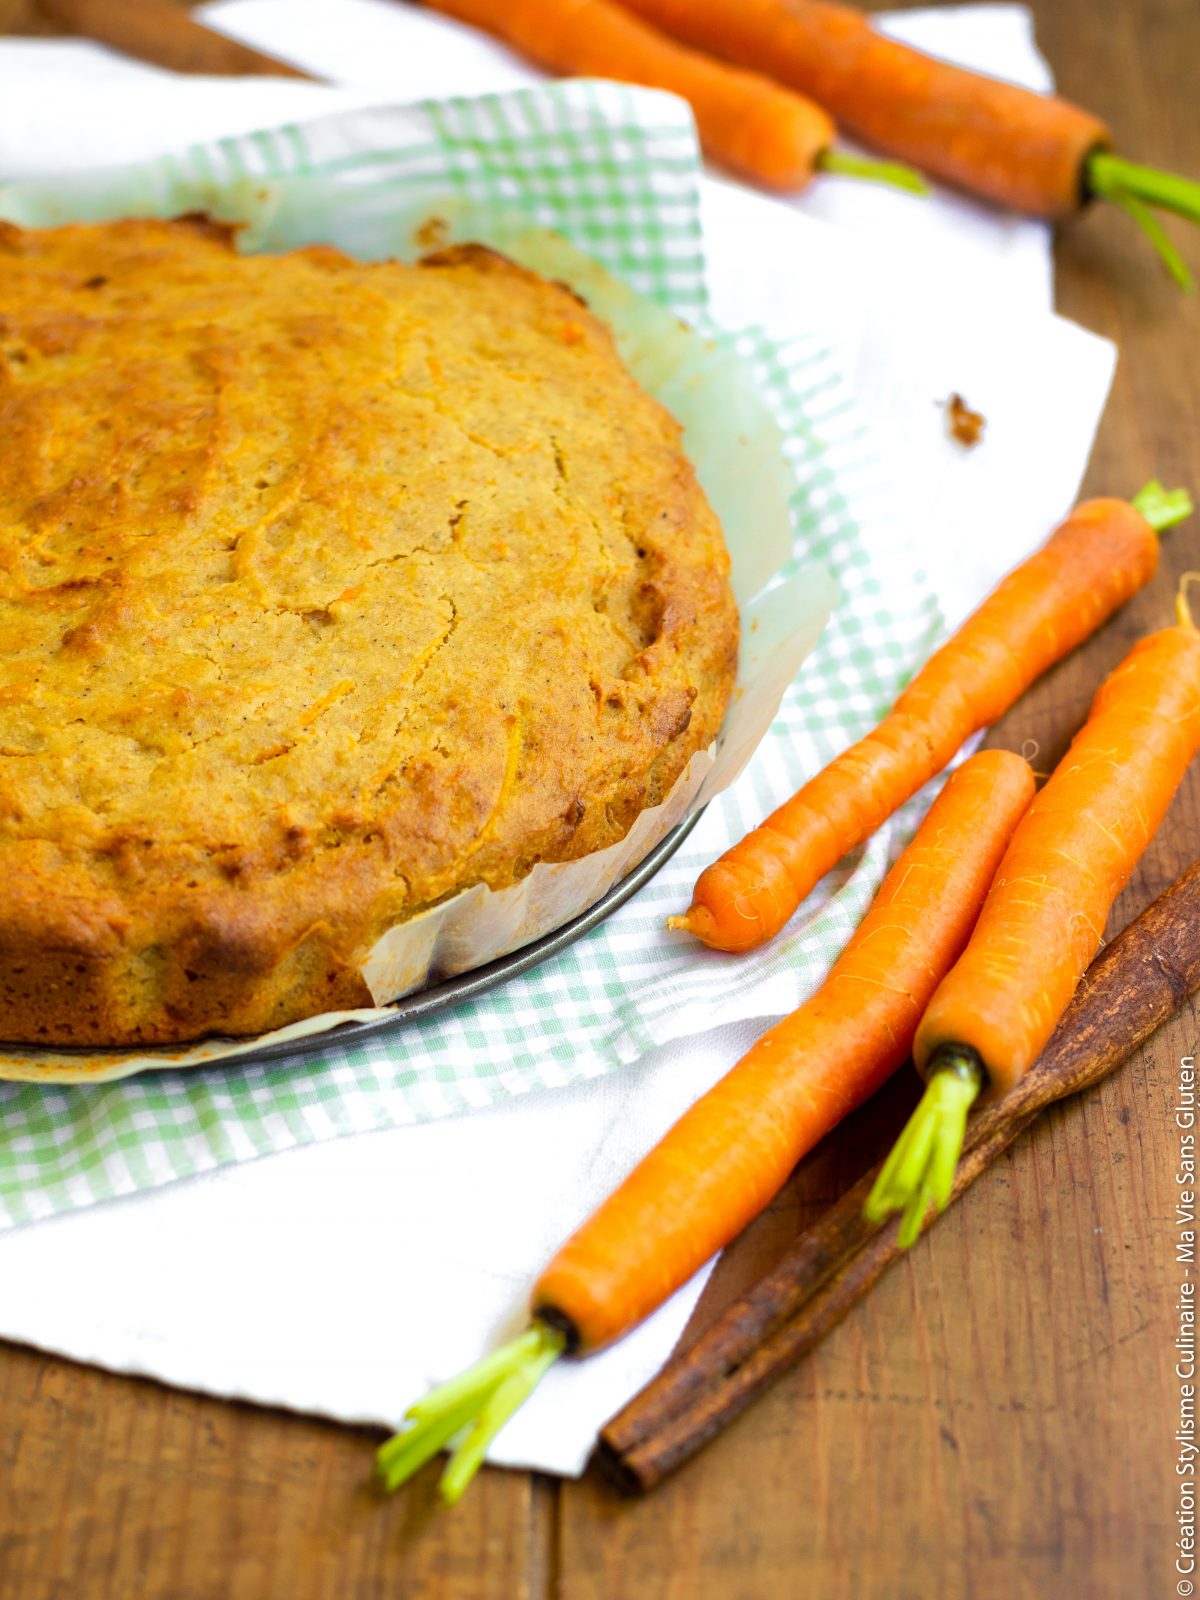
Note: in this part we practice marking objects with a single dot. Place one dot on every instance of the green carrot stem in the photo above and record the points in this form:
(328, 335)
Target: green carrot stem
(478, 1380)
(406, 1453)
(1105, 174)
(1135, 189)
(1162, 508)
(508, 1397)
(919, 1173)
(1145, 219)
(481, 1399)
(838, 164)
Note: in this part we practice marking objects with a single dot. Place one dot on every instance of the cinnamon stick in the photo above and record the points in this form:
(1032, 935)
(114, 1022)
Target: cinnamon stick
(1133, 986)
(164, 33)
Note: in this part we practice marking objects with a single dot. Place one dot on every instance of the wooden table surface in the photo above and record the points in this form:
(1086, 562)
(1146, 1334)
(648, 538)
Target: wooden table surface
(996, 1419)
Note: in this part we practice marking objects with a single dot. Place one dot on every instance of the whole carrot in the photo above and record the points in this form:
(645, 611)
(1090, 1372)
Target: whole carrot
(758, 128)
(1044, 918)
(1101, 555)
(1032, 152)
(723, 1160)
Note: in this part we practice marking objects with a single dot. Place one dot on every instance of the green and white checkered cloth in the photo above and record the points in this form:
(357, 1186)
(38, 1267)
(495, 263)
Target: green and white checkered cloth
(615, 170)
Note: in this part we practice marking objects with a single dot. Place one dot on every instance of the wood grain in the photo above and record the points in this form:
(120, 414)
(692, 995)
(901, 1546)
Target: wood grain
(114, 1487)
(994, 1421)
(165, 34)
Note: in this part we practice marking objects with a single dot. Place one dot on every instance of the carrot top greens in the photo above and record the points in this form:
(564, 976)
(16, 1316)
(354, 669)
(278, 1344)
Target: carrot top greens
(919, 1173)
(1137, 189)
(476, 1404)
(1162, 508)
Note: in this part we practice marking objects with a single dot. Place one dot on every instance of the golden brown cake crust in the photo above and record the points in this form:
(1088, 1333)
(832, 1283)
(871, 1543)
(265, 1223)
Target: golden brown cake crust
(326, 590)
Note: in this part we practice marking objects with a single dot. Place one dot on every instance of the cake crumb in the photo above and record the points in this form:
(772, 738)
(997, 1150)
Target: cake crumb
(433, 234)
(963, 425)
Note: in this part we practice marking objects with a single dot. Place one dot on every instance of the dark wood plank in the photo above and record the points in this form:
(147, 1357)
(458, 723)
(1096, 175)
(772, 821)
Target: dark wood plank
(26, 17)
(22, 17)
(119, 1487)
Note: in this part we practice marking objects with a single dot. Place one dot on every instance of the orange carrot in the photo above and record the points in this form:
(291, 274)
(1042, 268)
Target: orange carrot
(723, 1160)
(1032, 152)
(1013, 146)
(1044, 918)
(770, 134)
(701, 1186)
(1103, 553)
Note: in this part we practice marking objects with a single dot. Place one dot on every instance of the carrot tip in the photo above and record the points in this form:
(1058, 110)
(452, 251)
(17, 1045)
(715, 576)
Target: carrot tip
(1183, 607)
(699, 921)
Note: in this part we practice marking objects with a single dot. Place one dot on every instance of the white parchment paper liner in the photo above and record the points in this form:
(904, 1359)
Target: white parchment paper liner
(735, 446)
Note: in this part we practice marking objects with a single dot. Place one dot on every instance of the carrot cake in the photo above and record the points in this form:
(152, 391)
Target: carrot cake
(326, 591)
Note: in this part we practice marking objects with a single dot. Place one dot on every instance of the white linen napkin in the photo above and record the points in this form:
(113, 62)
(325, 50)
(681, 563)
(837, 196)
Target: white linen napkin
(343, 1278)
